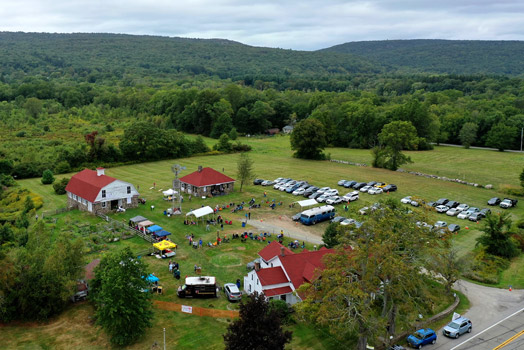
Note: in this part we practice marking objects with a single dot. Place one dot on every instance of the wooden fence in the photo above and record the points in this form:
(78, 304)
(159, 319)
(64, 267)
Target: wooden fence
(196, 310)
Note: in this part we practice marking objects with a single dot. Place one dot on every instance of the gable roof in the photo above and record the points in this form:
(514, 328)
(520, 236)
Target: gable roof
(272, 275)
(272, 250)
(301, 267)
(87, 184)
(206, 177)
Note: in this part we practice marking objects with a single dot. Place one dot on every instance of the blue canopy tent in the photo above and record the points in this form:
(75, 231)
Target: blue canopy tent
(152, 278)
(162, 233)
(154, 228)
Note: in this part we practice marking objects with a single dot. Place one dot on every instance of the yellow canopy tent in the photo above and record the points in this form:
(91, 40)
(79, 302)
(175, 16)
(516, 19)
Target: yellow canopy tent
(163, 245)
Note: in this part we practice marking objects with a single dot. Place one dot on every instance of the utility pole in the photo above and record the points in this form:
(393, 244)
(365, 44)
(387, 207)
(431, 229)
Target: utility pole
(176, 185)
(521, 134)
(164, 339)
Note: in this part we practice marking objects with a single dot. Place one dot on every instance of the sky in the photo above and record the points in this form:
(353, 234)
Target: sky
(287, 24)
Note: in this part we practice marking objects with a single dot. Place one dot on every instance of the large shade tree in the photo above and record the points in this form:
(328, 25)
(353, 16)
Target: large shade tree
(308, 139)
(395, 137)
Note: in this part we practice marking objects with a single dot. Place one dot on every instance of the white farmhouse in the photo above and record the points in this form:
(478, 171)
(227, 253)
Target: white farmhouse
(281, 271)
(95, 192)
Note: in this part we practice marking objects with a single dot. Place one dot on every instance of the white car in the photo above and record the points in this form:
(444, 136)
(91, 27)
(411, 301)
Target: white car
(322, 198)
(453, 212)
(406, 200)
(440, 224)
(323, 189)
(332, 192)
(347, 222)
(366, 188)
(350, 197)
(334, 200)
(464, 214)
(441, 208)
(462, 207)
(375, 190)
(299, 191)
(267, 183)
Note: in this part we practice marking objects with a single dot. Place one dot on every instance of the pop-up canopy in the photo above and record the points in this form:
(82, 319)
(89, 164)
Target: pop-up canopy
(164, 245)
(169, 192)
(137, 219)
(307, 203)
(162, 233)
(201, 211)
(146, 223)
(152, 278)
(154, 228)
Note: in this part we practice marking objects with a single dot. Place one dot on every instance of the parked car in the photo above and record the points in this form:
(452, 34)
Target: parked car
(322, 198)
(310, 191)
(475, 217)
(323, 189)
(457, 327)
(396, 347)
(453, 212)
(298, 192)
(366, 188)
(338, 219)
(232, 292)
(341, 182)
(315, 195)
(454, 228)
(494, 201)
(296, 217)
(364, 211)
(463, 207)
(466, 213)
(508, 203)
(380, 184)
(440, 224)
(347, 222)
(432, 204)
(359, 185)
(415, 203)
(406, 200)
(258, 181)
(334, 200)
(485, 212)
(349, 184)
(350, 197)
(389, 188)
(332, 192)
(267, 183)
(422, 337)
(452, 204)
(442, 201)
(441, 208)
(375, 190)
(371, 183)
(424, 224)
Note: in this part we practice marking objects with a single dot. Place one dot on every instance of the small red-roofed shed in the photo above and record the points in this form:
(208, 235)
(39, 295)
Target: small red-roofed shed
(206, 182)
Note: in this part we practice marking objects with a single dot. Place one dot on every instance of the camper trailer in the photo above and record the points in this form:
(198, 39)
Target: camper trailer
(198, 287)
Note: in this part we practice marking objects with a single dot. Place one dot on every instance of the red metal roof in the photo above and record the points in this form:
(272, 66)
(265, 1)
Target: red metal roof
(303, 267)
(272, 250)
(87, 184)
(271, 275)
(277, 291)
(206, 177)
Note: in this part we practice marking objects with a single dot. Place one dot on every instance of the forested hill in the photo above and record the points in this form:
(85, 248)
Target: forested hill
(441, 56)
(107, 56)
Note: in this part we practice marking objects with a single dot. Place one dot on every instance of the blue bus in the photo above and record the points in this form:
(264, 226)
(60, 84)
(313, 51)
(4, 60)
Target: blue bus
(312, 216)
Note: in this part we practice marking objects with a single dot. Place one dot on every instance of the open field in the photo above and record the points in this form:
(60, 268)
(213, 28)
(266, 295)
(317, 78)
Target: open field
(272, 158)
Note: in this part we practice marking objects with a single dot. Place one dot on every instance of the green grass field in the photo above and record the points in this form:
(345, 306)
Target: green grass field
(272, 158)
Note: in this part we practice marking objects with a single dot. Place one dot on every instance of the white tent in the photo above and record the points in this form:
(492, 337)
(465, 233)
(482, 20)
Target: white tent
(201, 212)
(169, 192)
(307, 203)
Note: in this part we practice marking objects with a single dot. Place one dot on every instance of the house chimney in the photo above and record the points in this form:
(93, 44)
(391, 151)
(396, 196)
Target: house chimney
(282, 251)
(257, 266)
(200, 168)
(99, 171)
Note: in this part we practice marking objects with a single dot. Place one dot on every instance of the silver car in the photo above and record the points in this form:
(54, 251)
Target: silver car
(232, 292)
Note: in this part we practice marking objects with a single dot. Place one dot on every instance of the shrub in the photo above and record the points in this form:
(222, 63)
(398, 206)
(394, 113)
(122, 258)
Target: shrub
(20, 134)
(47, 177)
(60, 186)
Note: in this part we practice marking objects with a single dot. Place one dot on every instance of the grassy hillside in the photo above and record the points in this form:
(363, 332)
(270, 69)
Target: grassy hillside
(441, 56)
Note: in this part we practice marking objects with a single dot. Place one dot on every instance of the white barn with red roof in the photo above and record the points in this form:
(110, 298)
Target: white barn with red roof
(206, 182)
(95, 192)
(281, 271)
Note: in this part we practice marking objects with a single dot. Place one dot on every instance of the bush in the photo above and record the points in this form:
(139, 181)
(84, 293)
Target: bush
(486, 268)
(60, 186)
(282, 310)
(20, 134)
(47, 177)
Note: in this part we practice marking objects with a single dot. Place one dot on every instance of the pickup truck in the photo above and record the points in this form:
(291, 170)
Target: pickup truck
(508, 203)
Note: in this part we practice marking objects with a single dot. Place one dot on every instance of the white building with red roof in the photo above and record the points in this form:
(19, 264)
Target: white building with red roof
(206, 182)
(95, 192)
(281, 271)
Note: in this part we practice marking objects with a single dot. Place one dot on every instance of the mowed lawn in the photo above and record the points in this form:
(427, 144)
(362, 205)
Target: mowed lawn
(272, 158)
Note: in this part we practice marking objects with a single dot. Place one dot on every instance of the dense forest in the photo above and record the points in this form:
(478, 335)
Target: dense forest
(73, 100)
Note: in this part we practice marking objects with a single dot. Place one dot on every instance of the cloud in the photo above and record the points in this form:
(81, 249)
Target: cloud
(305, 25)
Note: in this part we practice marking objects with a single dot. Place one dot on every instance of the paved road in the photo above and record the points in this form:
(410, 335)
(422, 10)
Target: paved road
(488, 306)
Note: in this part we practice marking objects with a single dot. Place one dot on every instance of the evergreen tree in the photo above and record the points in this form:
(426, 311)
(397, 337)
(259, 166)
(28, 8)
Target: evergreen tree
(47, 177)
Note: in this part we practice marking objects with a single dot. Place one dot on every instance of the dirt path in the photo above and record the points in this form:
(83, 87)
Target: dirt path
(291, 229)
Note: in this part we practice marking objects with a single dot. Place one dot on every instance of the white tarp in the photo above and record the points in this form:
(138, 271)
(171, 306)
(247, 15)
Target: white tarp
(169, 192)
(201, 212)
(307, 203)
